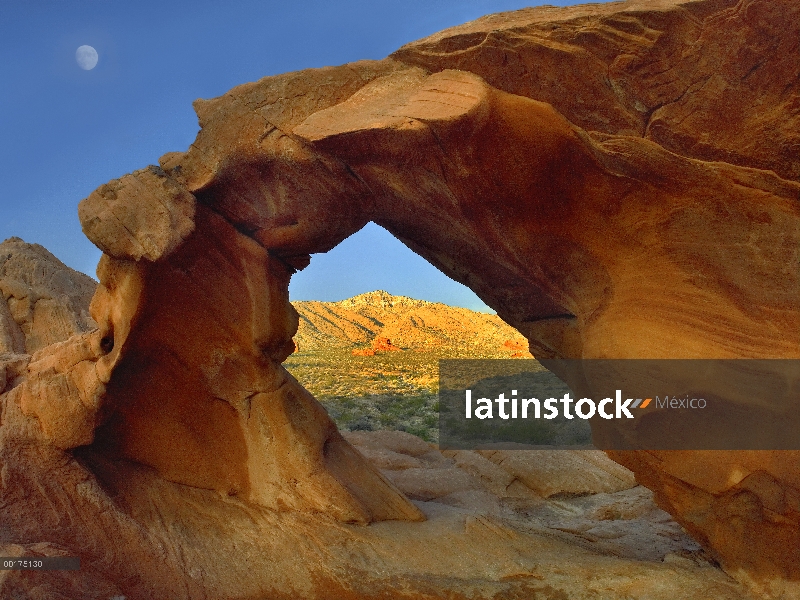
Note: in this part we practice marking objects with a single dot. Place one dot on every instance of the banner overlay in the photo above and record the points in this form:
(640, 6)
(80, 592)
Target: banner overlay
(620, 404)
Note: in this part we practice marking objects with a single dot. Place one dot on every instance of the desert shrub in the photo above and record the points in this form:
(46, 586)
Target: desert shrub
(395, 390)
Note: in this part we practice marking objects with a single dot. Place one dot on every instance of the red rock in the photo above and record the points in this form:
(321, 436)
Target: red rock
(379, 344)
(518, 349)
(513, 345)
(384, 344)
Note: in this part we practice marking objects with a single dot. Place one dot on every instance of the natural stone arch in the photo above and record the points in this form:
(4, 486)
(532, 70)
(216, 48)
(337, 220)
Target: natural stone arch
(196, 379)
(573, 237)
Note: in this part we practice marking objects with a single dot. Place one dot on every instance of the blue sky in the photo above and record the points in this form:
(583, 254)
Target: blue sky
(65, 131)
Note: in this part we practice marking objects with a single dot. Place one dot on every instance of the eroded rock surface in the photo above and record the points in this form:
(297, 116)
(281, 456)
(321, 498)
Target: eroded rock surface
(602, 176)
(44, 301)
(196, 389)
(580, 496)
(151, 538)
(711, 80)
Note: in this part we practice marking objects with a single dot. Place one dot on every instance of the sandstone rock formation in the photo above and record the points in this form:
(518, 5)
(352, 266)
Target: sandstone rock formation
(44, 301)
(149, 538)
(615, 181)
(547, 488)
(384, 344)
(379, 345)
(223, 411)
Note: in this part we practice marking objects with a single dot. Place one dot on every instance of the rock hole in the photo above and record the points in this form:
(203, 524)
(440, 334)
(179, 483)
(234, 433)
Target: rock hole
(107, 344)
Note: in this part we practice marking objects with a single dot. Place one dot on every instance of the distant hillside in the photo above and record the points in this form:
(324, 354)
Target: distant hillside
(410, 325)
(42, 301)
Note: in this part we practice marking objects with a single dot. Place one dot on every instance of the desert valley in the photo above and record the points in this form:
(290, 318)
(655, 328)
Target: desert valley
(372, 360)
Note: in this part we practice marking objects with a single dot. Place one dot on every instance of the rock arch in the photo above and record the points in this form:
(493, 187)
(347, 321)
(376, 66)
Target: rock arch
(593, 239)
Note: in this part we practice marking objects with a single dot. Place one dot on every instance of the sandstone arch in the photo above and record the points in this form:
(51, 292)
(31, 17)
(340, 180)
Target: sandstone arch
(583, 235)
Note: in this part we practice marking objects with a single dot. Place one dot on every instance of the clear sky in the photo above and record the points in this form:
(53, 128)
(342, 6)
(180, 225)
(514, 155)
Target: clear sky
(64, 131)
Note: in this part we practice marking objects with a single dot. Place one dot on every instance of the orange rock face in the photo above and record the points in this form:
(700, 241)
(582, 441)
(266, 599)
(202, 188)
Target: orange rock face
(516, 348)
(379, 344)
(216, 318)
(616, 181)
(43, 300)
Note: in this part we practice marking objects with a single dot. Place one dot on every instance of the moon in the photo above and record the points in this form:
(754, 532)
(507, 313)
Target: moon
(86, 57)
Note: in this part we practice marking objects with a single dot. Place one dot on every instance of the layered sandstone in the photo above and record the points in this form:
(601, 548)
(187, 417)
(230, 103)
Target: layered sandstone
(44, 301)
(599, 175)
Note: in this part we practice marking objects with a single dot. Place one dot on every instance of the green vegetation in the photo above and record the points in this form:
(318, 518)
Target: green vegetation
(400, 391)
(392, 390)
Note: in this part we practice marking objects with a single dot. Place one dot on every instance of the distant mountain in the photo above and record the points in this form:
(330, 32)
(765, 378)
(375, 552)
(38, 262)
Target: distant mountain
(409, 324)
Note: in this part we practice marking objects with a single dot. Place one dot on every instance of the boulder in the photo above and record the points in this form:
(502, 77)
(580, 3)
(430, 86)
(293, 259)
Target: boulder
(389, 460)
(494, 478)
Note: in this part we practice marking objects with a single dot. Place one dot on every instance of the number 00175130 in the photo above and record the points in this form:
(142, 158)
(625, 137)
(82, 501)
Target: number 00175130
(46, 563)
